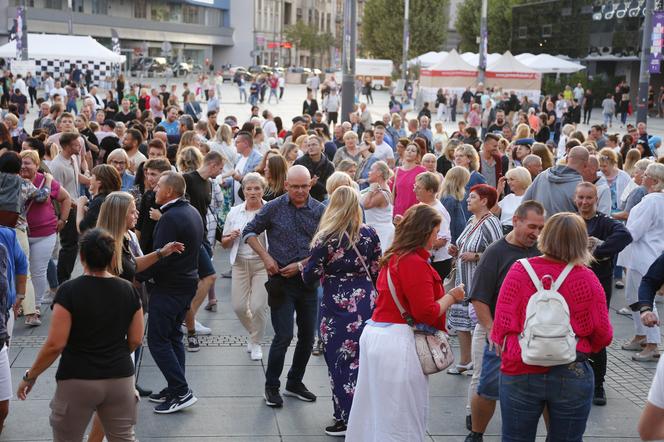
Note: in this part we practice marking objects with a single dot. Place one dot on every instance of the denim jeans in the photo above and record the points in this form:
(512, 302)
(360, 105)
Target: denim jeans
(301, 300)
(167, 313)
(566, 390)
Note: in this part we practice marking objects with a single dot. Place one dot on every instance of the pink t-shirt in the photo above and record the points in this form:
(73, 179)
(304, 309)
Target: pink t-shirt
(405, 194)
(41, 216)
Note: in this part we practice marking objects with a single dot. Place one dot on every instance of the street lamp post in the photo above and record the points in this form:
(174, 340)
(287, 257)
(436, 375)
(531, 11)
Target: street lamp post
(406, 41)
(348, 59)
(483, 41)
(644, 74)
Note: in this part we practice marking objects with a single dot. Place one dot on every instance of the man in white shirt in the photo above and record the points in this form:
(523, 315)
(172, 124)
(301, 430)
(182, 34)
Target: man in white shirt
(58, 90)
(97, 101)
(578, 92)
(130, 143)
(383, 150)
(48, 83)
(269, 127)
(20, 84)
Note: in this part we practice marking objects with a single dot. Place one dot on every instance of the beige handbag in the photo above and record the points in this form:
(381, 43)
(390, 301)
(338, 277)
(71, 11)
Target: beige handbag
(433, 349)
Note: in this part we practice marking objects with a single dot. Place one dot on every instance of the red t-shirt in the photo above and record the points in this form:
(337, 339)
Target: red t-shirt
(418, 287)
(584, 295)
(41, 217)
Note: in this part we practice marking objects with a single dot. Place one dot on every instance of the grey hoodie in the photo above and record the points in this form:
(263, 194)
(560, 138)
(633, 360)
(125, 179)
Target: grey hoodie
(555, 188)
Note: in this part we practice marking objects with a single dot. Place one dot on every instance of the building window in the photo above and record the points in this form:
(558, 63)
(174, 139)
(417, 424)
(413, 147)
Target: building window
(547, 30)
(288, 7)
(140, 9)
(53, 4)
(523, 32)
(190, 14)
(99, 7)
(298, 15)
(311, 16)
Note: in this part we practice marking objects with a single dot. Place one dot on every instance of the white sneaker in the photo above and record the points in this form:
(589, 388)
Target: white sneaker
(200, 329)
(256, 352)
(250, 346)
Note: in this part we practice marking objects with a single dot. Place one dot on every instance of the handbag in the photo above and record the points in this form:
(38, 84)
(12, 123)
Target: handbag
(433, 349)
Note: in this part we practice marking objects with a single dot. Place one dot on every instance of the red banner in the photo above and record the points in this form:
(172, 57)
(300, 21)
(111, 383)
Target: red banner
(459, 73)
(517, 75)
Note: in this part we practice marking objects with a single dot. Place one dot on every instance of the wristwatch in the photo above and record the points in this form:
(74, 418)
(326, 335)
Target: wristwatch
(27, 378)
(645, 308)
(159, 254)
(477, 256)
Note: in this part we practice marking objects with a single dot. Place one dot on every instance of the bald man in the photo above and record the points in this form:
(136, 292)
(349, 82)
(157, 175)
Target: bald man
(534, 165)
(290, 222)
(555, 187)
(602, 189)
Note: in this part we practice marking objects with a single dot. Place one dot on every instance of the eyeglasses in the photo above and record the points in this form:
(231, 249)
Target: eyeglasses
(118, 163)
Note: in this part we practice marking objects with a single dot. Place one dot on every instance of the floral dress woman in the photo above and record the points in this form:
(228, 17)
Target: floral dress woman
(348, 302)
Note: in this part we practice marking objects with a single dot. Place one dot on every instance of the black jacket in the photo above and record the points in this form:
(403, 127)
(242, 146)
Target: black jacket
(322, 169)
(177, 274)
(615, 236)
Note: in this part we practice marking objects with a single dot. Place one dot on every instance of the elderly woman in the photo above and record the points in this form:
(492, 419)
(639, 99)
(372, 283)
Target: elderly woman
(635, 191)
(344, 255)
(616, 178)
(119, 159)
(519, 180)
(404, 179)
(43, 223)
(646, 224)
(104, 179)
(350, 150)
(97, 322)
(482, 230)
(429, 163)
(248, 294)
(377, 203)
(387, 345)
(467, 156)
(565, 390)
(453, 192)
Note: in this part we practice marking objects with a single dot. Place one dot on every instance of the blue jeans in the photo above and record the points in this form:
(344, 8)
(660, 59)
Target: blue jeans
(167, 313)
(301, 300)
(566, 390)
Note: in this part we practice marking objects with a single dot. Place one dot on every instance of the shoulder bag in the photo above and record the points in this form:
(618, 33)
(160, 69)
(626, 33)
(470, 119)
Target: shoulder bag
(433, 349)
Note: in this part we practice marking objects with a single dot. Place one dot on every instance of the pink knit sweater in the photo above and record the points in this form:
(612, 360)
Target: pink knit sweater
(584, 295)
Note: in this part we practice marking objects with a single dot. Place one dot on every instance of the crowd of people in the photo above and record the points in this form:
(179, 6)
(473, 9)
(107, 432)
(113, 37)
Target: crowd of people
(332, 225)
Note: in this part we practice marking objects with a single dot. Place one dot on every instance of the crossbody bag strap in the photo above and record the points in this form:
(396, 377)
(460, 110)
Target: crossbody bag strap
(364, 263)
(409, 319)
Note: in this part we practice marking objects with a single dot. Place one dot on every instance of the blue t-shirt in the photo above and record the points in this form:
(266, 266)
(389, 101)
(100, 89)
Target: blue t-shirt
(17, 262)
(171, 128)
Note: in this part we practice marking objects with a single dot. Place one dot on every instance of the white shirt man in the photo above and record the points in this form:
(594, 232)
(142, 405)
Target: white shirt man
(59, 90)
(383, 150)
(213, 101)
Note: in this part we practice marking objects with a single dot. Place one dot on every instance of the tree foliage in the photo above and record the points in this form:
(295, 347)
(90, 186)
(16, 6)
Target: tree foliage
(382, 28)
(306, 37)
(499, 22)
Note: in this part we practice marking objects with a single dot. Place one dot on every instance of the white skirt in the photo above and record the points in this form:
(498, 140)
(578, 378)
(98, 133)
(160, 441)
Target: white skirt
(391, 401)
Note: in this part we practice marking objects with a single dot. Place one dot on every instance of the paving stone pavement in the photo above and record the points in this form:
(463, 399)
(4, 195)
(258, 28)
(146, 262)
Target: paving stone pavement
(230, 386)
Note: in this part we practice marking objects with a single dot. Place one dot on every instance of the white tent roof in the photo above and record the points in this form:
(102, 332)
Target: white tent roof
(548, 64)
(508, 63)
(453, 62)
(429, 59)
(63, 47)
(474, 59)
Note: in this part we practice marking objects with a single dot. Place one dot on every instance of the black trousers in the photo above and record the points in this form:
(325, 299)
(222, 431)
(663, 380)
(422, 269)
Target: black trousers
(598, 360)
(68, 248)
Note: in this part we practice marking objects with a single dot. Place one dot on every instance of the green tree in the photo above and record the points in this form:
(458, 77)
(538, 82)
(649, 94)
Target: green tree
(305, 37)
(382, 28)
(499, 23)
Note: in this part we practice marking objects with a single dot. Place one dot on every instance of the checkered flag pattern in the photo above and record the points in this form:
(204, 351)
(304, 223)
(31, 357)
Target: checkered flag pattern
(100, 69)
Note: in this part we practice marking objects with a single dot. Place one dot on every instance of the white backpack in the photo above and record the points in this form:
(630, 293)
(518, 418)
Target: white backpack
(547, 338)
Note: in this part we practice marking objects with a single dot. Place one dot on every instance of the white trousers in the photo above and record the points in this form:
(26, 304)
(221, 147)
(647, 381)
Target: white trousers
(632, 281)
(391, 401)
(249, 297)
(477, 354)
(41, 249)
(28, 303)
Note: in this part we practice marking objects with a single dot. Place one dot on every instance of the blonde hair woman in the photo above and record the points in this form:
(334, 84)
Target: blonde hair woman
(519, 180)
(564, 244)
(189, 138)
(248, 294)
(452, 193)
(522, 132)
(189, 159)
(290, 152)
(633, 155)
(348, 277)
(467, 156)
(377, 203)
(617, 179)
(446, 161)
(338, 179)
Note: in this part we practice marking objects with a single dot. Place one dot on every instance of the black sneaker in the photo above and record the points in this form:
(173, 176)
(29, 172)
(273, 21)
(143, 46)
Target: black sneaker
(273, 398)
(299, 391)
(192, 343)
(142, 392)
(336, 430)
(176, 403)
(159, 398)
(474, 437)
(599, 398)
(469, 423)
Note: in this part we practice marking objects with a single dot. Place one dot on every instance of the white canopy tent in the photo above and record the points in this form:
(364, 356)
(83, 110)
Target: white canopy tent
(474, 59)
(548, 64)
(63, 47)
(428, 59)
(508, 73)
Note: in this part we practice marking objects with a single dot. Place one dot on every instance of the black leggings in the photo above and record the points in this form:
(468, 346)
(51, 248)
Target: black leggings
(443, 268)
(598, 360)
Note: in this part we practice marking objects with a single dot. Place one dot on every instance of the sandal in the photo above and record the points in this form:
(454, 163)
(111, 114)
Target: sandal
(646, 356)
(461, 369)
(32, 320)
(634, 345)
(211, 306)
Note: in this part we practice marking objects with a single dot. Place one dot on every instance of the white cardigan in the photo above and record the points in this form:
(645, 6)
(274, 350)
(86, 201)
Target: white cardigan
(238, 218)
(646, 224)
